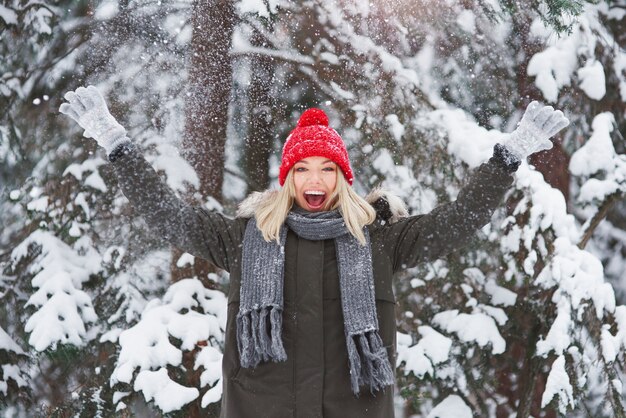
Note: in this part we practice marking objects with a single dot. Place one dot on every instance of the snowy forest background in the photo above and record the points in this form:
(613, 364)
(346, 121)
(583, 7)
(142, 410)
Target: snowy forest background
(99, 318)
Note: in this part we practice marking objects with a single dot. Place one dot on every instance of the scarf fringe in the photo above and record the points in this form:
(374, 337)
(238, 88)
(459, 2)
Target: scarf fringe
(257, 340)
(369, 364)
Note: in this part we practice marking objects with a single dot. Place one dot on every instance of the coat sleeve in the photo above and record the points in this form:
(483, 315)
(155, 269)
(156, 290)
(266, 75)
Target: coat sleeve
(427, 237)
(202, 233)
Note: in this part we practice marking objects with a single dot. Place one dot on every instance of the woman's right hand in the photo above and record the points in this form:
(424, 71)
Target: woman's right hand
(88, 108)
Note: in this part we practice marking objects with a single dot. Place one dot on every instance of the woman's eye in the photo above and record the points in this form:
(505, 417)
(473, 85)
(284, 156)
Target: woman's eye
(329, 168)
(300, 169)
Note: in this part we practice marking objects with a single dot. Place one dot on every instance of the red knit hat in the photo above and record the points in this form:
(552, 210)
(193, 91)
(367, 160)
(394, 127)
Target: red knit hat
(313, 138)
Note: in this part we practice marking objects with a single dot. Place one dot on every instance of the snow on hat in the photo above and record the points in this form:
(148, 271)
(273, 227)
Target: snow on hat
(313, 138)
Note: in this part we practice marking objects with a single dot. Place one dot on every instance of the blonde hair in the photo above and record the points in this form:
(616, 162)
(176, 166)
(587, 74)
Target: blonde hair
(356, 212)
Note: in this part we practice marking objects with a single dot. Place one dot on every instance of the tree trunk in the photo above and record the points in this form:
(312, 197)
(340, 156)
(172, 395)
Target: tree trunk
(210, 79)
(258, 144)
(554, 165)
(206, 108)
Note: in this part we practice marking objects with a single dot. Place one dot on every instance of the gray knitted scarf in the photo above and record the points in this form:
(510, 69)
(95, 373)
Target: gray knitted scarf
(259, 321)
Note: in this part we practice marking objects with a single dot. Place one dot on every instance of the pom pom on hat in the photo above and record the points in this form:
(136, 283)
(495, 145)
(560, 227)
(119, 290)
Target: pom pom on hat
(313, 138)
(312, 116)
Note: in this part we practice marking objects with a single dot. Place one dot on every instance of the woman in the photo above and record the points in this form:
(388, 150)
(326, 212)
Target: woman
(311, 323)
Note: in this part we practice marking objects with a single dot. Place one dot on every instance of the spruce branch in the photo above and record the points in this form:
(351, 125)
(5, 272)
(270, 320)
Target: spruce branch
(591, 225)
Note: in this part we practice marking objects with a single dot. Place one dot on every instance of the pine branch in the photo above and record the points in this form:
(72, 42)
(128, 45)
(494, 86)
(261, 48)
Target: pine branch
(593, 223)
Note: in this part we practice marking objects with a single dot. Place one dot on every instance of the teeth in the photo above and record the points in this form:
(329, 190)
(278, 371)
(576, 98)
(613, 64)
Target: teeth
(315, 192)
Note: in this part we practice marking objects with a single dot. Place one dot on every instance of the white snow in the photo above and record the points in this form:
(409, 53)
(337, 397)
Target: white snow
(467, 21)
(420, 359)
(500, 295)
(90, 166)
(260, 7)
(345, 94)
(613, 344)
(167, 394)
(580, 278)
(395, 127)
(476, 328)
(558, 384)
(7, 343)
(598, 156)
(400, 181)
(39, 18)
(558, 338)
(467, 140)
(137, 283)
(8, 15)
(210, 359)
(620, 69)
(63, 309)
(598, 152)
(548, 208)
(117, 396)
(106, 10)
(451, 407)
(81, 201)
(178, 172)
(552, 68)
(38, 205)
(330, 58)
(13, 372)
(592, 80)
(185, 260)
(111, 335)
(146, 346)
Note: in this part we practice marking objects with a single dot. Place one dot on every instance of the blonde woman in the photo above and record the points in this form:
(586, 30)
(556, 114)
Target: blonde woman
(311, 322)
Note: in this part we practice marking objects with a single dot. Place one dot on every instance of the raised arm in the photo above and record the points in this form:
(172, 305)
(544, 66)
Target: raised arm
(205, 234)
(448, 227)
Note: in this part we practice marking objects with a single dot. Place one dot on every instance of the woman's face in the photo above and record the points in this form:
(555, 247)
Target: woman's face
(314, 179)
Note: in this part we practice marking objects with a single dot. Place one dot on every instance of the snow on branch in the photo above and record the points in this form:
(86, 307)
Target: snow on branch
(10, 371)
(451, 407)
(598, 156)
(63, 309)
(475, 327)
(552, 262)
(432, 349)
(188, 316)
(554, 67)
(7, 343)
(558, 384)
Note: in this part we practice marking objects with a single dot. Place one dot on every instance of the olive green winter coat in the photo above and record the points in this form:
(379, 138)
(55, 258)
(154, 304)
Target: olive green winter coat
(314, 381)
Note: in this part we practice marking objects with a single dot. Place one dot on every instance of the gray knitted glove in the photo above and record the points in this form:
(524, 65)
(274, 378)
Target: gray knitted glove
(534, 131)
(87, 107)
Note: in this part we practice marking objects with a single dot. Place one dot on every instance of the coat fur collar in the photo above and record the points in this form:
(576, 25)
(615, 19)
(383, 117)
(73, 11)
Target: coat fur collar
(389, 207)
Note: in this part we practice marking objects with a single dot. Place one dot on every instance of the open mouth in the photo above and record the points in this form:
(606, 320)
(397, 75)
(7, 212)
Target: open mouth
(314, 198)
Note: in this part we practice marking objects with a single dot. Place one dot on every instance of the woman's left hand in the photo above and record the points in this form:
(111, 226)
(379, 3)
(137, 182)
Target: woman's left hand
(534, 131)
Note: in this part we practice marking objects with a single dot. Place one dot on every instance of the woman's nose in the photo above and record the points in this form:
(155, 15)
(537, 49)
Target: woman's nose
(316, 176)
